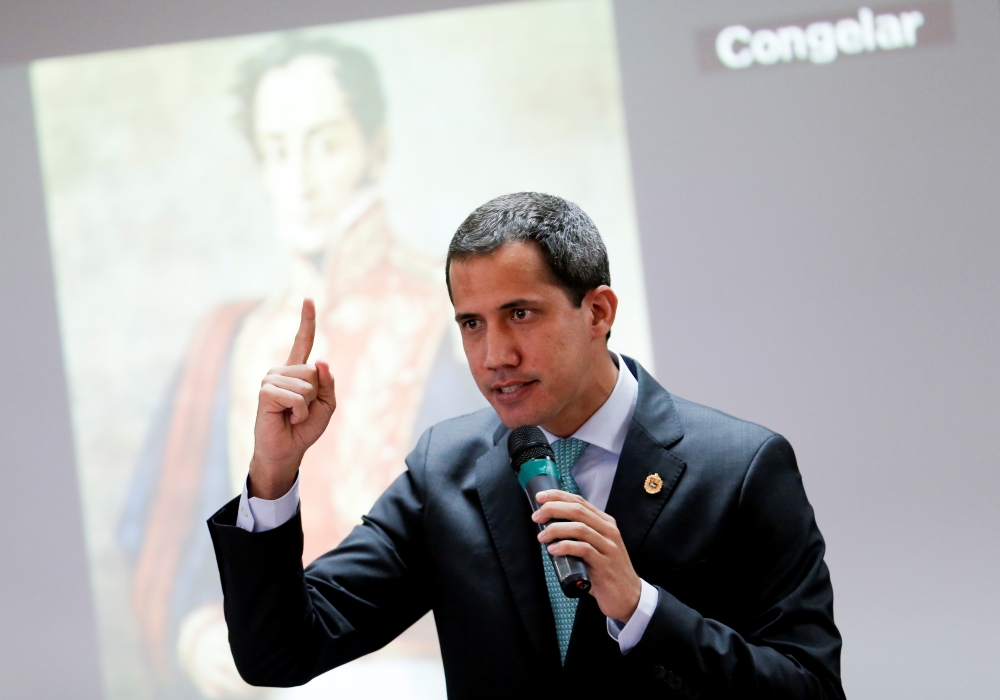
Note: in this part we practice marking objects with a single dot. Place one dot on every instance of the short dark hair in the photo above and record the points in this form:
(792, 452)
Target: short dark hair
(353, 68)
(569, 240)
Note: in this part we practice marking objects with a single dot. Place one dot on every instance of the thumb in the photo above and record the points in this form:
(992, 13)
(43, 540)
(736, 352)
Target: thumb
(325, 391)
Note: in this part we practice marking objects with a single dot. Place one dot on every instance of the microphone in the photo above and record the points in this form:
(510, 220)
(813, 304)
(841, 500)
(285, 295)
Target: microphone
(534, 462)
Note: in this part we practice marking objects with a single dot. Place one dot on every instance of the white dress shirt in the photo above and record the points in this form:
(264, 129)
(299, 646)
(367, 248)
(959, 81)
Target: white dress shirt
(594, 471)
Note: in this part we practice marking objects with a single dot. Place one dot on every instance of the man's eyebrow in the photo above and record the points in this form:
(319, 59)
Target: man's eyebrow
(325, 125)
(517, 303)
(312, 131)
(513, 304)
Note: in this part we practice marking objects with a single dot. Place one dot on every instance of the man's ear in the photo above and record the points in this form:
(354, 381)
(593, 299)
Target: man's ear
(602, 302)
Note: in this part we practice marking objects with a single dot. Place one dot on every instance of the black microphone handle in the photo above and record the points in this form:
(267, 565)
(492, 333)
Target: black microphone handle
(571, 571)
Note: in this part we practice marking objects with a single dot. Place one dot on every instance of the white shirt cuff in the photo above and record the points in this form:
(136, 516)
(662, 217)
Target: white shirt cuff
(260, 515)
(628, 635)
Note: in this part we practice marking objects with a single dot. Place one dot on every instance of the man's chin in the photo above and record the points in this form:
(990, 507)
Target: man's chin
(516, 416)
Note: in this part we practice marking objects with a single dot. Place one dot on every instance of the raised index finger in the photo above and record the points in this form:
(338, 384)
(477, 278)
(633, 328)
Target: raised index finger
(304, 338)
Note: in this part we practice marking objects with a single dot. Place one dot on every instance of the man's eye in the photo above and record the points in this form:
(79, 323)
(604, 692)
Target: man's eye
(520, 314)
(471, 324)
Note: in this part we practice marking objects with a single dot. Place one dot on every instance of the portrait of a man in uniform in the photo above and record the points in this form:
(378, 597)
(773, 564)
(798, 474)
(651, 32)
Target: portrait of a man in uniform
(314, 114)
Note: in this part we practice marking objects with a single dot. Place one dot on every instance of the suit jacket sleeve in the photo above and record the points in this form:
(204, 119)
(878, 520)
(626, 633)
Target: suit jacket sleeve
(286, 625)
(784, 643)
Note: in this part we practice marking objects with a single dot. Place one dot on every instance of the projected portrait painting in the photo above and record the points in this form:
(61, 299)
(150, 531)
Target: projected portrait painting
(197, 192)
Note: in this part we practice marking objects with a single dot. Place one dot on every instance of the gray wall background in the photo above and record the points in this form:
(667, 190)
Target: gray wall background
(822, 257)
(822, 249)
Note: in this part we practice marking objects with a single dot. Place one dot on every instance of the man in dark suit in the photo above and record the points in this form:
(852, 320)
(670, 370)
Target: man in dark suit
(705, 559)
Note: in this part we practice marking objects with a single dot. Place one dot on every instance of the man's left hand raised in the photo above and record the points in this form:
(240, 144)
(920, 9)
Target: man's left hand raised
(598, 542)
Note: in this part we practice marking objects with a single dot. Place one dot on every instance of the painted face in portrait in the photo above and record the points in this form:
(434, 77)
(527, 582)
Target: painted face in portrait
(314, 154)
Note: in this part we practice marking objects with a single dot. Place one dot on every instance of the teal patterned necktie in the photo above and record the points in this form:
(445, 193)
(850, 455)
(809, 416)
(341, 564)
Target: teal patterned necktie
(563, 608)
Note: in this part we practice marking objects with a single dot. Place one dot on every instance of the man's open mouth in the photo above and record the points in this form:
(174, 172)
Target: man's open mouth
(514, 391)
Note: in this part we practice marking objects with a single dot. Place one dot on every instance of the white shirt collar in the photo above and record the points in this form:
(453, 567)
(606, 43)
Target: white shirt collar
(609, 424)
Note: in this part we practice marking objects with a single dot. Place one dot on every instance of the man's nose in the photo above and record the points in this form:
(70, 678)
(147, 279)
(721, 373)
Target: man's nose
(501, 348)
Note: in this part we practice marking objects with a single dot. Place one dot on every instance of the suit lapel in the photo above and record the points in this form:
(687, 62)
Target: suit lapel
(508, 517)
(654, 427)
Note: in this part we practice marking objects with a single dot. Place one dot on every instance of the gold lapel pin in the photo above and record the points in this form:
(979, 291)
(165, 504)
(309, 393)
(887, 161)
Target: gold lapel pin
(653, 484)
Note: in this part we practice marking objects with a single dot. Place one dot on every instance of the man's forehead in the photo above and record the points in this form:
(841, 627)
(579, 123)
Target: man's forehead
(513, 275)
(516, 261)
(299, 95)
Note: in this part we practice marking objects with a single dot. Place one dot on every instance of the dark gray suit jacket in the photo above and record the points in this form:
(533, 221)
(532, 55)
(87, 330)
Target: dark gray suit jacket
(745, 605)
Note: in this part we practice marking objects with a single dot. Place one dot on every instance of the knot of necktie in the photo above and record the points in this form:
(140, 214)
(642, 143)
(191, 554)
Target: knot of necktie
(567, 452)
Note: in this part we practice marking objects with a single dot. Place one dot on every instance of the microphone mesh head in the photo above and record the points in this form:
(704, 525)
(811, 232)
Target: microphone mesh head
(526, 443)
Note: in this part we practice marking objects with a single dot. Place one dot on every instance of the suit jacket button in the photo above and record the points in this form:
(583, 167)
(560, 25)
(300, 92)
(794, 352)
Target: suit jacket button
(659, 671)
(674, 682)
